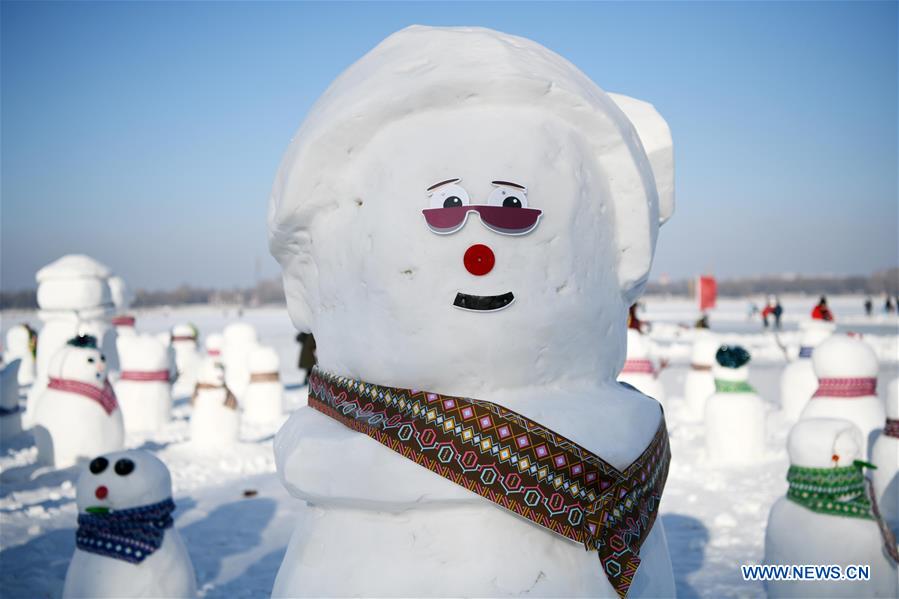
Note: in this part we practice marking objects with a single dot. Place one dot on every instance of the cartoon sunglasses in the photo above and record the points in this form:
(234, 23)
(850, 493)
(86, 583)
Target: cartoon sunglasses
(505, 212)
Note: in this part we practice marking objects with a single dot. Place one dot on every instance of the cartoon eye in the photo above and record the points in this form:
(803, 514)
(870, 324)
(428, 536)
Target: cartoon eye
(102, 358)
(98, 465)
(124, 467)
(90, 360)
(451, 195)
(508, 197)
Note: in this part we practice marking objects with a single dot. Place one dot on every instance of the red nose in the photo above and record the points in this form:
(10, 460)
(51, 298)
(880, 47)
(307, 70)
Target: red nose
(479, 259)
(101, 492)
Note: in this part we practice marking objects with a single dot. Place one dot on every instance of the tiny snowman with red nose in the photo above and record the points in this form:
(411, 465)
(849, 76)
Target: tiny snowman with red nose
(77, 415)
(126, 543)
(463, 220)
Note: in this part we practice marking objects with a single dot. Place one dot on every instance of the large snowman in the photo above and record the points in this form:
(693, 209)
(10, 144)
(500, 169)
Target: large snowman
(462, 221)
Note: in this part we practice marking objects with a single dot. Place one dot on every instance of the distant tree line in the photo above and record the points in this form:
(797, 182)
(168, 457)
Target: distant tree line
(879, 283)
(271, 291)
(265, 292)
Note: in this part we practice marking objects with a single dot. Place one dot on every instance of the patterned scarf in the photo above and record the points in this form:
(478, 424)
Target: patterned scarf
(891, 428)
(105, 396)
(130, 535)
(722, 386)
(265, 377)
(123, 321)
(701, 367)
(512, 461)
(145, 375)
(846, 387)
(638, 367)
(840, 491)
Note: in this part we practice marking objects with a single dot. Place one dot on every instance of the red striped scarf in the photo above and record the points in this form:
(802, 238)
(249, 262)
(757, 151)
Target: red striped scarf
(638, 367)
(145, 375)
(846, 387)
(105, 396)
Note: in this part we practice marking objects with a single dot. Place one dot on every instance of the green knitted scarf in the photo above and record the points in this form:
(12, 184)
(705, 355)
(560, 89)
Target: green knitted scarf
(837, 491)
(722, 386)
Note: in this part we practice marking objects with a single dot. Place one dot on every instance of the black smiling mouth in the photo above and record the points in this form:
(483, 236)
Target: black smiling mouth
(483, 303)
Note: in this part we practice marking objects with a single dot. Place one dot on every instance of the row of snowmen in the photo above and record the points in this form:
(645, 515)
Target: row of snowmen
(841, 427)
(90, 376)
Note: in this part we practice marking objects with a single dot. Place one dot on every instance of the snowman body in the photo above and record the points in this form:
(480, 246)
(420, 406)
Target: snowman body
(10, 412)
(699, 383)
(214, 420)
(143, 388)
(734, 419)
(540, 330)
(263, 400)
(798, 535)
(166, 572)
(846, 368)
(68, 425)
(18, 347)
(187, 358)
(639, 369)
(798, 381)
(885, 455)
(239, 341)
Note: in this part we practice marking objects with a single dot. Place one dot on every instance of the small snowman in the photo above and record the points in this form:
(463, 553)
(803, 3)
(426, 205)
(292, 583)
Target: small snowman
(126, 542)
(77, 415)
(184, 342)
(798, 381)
(215, 419)
(846, 368)
(826, 516)
(734, 414)
(885, 455)
(10, 412)
(21, 344)
(639, 370)
(240, 339)
(143, 389)
(700, 382)
(263, 399)
(213, 346)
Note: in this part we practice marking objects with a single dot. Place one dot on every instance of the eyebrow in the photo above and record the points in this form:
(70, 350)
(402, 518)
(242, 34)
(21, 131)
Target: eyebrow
(436, 185)
(510, 184)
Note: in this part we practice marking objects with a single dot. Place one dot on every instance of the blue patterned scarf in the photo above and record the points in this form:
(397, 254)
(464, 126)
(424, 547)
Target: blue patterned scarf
(130, 535)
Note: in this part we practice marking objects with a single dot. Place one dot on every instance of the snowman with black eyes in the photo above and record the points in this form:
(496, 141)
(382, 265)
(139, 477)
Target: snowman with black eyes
(126, 544)
(77, 415)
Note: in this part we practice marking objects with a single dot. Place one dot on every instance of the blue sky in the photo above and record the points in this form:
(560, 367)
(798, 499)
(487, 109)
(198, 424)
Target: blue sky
(148, 134)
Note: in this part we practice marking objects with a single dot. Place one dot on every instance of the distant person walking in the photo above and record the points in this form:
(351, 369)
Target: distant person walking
(821, 311)
(308, 358)
(777, 312)
(869, 306)
(888, 305)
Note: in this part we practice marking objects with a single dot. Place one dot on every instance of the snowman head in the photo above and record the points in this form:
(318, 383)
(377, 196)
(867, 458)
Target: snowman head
(732, 363)
(466, 205)
(123, 480)
(79, 360)
(211, 373)
(637, 345)
(824, 443)
(842, 356)
(705, 346)
(17, 340)
(184, 334)
(142, 352)
(263, 359)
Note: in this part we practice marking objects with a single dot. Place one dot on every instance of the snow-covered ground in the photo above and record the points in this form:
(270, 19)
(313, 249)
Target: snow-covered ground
(714, 517)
